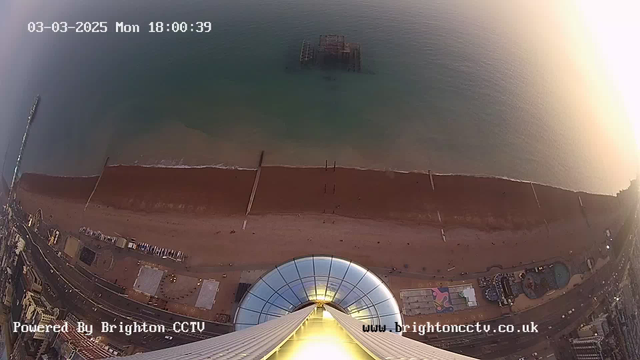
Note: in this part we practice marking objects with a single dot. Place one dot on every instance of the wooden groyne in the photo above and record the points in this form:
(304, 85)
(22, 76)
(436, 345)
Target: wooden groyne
(106, 162)
(253, 189)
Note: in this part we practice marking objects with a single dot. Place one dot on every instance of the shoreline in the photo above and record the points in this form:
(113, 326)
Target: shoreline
(330, 167)
(489, 203)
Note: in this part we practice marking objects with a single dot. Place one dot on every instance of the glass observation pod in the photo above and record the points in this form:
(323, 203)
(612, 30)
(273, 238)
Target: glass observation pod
(339, 283)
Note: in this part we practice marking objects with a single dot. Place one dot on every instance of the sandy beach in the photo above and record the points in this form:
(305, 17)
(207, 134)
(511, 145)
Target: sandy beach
(377, 218)
(463, 201)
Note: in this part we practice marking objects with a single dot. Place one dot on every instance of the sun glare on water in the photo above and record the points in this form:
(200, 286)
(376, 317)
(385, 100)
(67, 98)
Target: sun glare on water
(614, 27)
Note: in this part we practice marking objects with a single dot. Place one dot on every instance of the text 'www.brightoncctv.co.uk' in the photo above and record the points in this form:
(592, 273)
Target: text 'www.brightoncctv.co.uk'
(428, 327)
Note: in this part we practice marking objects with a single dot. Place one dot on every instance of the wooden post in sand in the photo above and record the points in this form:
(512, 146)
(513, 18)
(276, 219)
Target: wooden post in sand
(583, 211)
(444, 237)
(97, 182)
(433, 188)
(535, 195)
(253, 190)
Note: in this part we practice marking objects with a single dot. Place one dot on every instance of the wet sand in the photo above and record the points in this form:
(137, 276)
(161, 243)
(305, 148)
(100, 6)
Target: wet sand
(463, 201)
(69, 188)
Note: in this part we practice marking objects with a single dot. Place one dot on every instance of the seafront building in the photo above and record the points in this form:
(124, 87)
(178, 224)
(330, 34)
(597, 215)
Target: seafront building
(597, 327)
(73, 345)
(588, 348)
(36, 313)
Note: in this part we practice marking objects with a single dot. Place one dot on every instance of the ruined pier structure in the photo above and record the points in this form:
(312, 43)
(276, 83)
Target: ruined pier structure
(332, 52)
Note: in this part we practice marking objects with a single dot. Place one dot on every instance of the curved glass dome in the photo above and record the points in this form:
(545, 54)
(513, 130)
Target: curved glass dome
(347, 286)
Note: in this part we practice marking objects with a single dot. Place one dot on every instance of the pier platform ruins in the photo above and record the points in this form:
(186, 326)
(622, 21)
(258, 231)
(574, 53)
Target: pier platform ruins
(332, 52)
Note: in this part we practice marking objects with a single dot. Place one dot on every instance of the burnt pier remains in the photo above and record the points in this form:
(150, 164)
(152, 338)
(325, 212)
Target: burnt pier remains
(332, 52)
